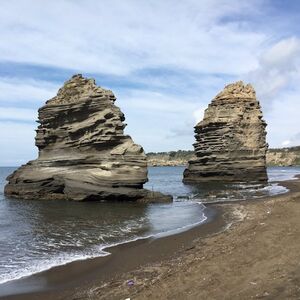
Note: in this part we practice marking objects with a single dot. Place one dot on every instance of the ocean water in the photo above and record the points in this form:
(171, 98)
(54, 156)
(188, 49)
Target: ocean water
(38, 235)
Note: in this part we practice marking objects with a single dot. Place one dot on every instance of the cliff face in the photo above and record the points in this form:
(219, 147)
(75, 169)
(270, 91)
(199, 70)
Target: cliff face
(284, 156)
(275, 157)
(172, 158)
(83, 152)
(231, 139)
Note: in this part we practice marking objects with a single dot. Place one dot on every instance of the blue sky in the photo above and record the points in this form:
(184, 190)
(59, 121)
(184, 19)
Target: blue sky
(164, 60)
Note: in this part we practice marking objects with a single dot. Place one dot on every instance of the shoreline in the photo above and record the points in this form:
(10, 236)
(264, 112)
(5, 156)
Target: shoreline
(55, 282)
(81, 277)
(107, 250)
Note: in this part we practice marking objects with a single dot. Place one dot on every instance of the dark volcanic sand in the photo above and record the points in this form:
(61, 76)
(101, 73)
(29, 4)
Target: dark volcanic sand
(61, 281)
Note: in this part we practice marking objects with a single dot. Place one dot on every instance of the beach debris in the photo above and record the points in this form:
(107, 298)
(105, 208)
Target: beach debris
(190, 248)
(130, 282)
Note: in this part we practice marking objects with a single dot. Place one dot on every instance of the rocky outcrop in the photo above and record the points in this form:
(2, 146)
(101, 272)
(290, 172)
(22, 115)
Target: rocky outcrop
(231, 139)
(83, 152)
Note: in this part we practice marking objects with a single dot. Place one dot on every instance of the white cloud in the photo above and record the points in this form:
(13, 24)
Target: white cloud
(119, 37)
(283, 55)
(22, 91)
(158, 121)
(17, 143)
(293, 141)
(286, 143)
(190, 44)
(18, 114)
(279, 68)
(198, 115)
(276, 82)
(156, 102)
(283, 119)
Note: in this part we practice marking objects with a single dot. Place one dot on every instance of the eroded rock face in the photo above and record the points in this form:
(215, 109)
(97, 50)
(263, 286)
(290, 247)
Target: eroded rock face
(231, 139)
(83, 152)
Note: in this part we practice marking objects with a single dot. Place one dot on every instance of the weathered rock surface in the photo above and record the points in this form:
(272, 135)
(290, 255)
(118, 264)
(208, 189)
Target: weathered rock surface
(83, 152)
(231, 139)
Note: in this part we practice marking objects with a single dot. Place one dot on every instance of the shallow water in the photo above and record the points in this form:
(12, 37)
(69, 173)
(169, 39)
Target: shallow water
(36, 235)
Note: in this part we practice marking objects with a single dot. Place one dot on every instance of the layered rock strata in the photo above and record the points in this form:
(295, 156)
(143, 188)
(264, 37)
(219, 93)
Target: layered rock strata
(83, 152)
(231, 139)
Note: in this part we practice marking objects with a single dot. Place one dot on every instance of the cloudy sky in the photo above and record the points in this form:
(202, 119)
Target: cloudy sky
(164, 60)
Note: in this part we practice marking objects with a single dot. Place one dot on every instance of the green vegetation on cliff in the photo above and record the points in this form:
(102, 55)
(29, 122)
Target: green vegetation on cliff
(275, 157)
(284, 156)
(172, 158)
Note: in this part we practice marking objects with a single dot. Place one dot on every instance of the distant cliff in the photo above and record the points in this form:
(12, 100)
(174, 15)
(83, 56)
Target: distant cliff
(172, 158)
(275, 157)
(284, 156)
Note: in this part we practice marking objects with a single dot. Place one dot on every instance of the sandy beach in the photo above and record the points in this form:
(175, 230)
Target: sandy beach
(257, 257)
(248, 250)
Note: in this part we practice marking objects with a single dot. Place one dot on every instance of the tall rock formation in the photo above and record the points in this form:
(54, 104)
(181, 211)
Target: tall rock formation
(231, 139)
(83, 152)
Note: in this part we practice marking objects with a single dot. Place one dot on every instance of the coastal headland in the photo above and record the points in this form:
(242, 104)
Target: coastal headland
(289, 156)
(247, 250)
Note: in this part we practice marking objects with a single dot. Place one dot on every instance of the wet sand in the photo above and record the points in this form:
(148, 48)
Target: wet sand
(63, 281)
(249, 249)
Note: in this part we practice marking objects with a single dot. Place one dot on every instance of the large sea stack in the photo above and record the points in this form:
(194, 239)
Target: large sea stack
(231, 139)
(83, 152)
